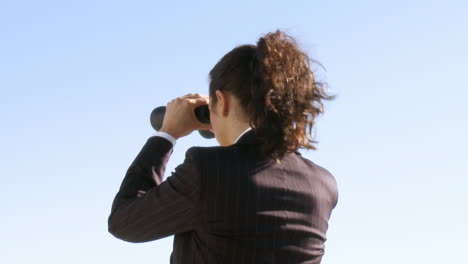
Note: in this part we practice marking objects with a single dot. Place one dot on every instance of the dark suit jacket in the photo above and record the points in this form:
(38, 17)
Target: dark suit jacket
(226, 204)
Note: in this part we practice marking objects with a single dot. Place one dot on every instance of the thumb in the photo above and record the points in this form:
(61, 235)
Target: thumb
(206, 127)
(202, 126)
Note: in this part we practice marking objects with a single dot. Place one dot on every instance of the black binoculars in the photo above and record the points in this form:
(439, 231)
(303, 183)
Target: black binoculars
(201, 112)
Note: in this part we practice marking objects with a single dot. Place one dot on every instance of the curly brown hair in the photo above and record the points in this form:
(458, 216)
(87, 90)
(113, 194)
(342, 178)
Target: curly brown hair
(276, 88)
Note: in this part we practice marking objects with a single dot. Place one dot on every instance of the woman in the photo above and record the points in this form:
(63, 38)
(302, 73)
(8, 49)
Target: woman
(254, 198)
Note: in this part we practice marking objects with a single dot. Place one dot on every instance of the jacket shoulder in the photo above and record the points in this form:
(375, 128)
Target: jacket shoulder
(202, 151)
(327, 178)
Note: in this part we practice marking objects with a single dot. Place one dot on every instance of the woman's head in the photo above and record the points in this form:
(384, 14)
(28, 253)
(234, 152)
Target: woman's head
(273, 89)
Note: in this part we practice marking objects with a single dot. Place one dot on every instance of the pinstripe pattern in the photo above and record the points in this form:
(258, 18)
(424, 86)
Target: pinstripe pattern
(226, 204)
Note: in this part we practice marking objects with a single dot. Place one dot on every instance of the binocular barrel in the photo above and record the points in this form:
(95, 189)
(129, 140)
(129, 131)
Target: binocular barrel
(201, 112)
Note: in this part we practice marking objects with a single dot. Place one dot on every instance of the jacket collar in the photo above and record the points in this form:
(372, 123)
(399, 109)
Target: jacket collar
(245, 131)
(248, 137)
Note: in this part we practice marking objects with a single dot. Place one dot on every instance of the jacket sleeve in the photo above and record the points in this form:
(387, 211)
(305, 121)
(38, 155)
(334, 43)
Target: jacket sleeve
(147, 208)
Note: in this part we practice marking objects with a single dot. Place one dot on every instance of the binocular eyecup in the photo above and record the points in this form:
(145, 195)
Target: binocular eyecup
(201, 112)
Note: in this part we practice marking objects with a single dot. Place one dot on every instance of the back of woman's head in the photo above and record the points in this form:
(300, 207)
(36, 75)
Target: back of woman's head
(276, 89)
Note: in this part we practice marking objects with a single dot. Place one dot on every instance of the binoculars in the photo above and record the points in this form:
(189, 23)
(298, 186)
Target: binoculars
(201, 112)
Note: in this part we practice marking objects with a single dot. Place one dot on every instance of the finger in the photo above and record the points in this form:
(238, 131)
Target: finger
(195, 96)
(190, 95)
(199, 101)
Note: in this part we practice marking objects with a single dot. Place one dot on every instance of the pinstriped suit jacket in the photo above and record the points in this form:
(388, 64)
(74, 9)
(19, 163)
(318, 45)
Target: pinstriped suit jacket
(226, 204)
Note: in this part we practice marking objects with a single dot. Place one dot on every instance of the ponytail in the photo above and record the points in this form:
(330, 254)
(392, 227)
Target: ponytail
(274, 83)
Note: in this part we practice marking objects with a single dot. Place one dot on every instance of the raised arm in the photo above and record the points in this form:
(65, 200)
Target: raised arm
(147, 208)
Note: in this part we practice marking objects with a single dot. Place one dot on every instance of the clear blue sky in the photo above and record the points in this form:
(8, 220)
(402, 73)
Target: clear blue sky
(78, 80)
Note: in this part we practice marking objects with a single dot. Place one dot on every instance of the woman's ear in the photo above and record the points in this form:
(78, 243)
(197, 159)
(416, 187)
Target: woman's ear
(223, 102)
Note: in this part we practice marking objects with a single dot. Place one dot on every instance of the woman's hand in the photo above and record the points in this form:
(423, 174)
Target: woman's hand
(180, 119)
